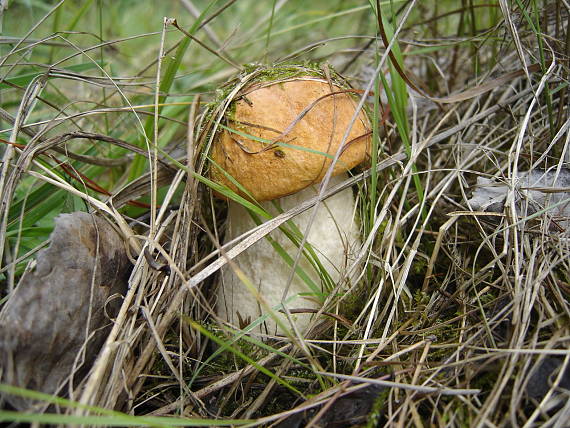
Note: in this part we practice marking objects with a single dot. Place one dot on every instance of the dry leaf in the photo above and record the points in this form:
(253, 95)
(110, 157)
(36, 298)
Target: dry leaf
(351, 410)
(542, 379)
(57, 319)
(544, 193)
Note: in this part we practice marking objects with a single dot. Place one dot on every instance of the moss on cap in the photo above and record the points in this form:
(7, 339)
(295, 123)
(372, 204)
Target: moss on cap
(283, 135)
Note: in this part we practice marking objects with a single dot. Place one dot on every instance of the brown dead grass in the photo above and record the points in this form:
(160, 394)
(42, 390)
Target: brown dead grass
(454, 312)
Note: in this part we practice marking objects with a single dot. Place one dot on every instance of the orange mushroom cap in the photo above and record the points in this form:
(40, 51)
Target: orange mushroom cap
(284, 135)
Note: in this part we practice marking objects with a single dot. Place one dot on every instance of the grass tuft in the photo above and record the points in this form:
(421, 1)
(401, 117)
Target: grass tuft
(459, 316)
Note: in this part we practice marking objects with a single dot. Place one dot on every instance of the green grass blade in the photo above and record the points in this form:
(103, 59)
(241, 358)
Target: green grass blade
(276, 143)
(105, 417)
(172, 65)
(227, 347)
(25, 79)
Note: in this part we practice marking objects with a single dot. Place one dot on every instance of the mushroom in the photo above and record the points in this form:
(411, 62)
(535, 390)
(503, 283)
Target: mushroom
(278, 143)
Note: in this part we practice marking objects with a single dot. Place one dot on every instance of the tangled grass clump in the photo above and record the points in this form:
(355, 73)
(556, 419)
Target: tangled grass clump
(459, 317)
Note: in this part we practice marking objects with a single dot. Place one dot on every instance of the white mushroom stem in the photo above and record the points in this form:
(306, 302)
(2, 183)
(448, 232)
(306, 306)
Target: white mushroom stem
(333, 236)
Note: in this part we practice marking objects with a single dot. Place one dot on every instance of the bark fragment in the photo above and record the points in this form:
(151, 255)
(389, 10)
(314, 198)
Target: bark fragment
(54, 324)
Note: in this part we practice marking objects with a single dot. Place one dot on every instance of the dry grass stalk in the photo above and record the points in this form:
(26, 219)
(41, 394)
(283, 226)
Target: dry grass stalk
(461, 309)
